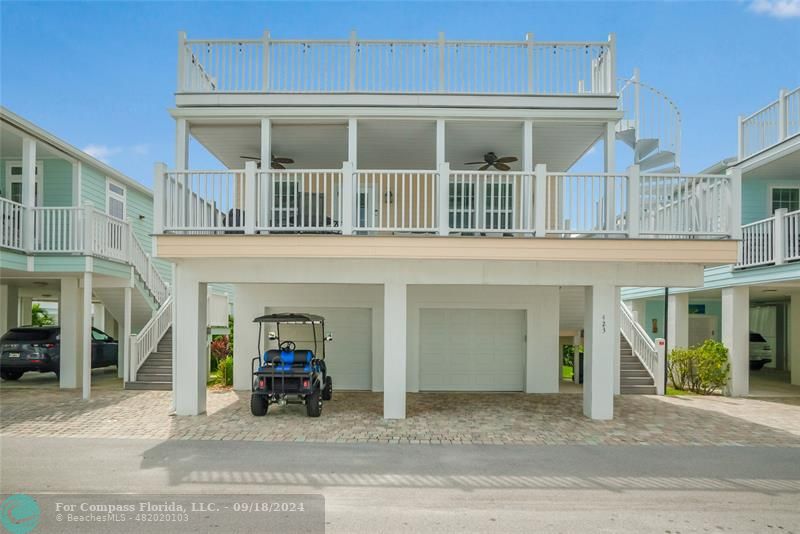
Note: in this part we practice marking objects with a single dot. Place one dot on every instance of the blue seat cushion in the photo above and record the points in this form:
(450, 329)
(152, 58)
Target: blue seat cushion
(288, 360)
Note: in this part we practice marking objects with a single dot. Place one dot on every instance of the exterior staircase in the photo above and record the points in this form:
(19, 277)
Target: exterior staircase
(634, 377)
(156, 371)
(651, 127)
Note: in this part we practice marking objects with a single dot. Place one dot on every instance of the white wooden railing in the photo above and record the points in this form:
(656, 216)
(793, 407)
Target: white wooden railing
(770, 125)
(447, 201)
(649, 352)
(108, 237)
(395, 66)
(396, 200)
(771, 241)
(11, 218)
(299, 201)
(59, 229)
(146, 341)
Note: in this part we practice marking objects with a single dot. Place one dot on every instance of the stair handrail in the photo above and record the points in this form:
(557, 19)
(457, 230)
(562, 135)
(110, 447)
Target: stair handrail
(658, 117)
(145, 268)
(649, 352)
(146, 341)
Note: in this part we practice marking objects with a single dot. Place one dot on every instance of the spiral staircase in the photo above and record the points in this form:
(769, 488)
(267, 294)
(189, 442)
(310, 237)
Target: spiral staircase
(651, 126)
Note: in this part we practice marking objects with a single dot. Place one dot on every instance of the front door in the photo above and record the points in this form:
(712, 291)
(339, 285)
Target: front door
(14, 182)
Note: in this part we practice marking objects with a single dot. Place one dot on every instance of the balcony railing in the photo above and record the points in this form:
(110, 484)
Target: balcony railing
(77, 230)
(770, 125)
(772, 241)
(378, 66)
(540, 203)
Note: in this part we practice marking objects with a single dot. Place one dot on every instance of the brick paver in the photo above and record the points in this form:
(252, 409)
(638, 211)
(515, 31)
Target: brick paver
(433, 418)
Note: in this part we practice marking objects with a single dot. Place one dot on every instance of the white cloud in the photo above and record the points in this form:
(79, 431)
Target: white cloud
(782, 9)
(104, 152)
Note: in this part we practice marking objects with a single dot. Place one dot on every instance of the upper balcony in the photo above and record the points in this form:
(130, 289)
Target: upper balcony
(771, 125)
(266, 70)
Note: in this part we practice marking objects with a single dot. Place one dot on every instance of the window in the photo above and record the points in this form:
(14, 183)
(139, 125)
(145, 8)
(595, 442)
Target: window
(97, 335)
(785, 197)
(500, 206)
(115, 200)
(284, 203)
(462, 205)
(14, 181)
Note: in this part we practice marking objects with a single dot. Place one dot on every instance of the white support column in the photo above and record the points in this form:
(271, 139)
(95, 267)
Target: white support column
(181, 144)
(678, 321)
(443, 186)
(266, 161)
(634, 202)
(543, 356)
(639, 309)
(736, 337)
(782, 115)
(190, 301)
(779, 236)
(577, 341)
(9, 307)
(352, 142)
(527, 166)
(125, 336)
(28, 190)
(26, 311)
(71, 355)
(250, 197)
(86, 333)
(615, 326)
(77, 179)
(348, 204)
(249, 305)
(159, 202)
(598, 373)
(740, 138)
(394, 350)
(794, 337)
(736, 203)
(99, 316)
(540, 200)
(610, 166)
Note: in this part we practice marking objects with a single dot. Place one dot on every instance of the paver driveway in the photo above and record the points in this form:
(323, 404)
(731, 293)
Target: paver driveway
(448, 418)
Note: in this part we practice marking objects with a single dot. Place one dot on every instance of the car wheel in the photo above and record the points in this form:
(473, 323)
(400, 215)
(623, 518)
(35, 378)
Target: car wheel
(11, 374)
(314, 403)
(258, 405)
(327, 391)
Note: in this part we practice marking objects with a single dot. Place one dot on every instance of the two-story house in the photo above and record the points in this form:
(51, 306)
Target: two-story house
(420, 195)
(757, 298)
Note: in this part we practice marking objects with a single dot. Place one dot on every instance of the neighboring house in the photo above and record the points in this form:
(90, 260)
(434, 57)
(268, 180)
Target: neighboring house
(76, 231)
(433, 272)
(760, 292)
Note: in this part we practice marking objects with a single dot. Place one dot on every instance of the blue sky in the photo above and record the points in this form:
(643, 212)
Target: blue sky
(102, 74)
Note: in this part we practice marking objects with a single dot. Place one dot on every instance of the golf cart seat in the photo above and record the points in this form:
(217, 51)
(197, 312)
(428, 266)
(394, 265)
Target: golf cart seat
(297, 360)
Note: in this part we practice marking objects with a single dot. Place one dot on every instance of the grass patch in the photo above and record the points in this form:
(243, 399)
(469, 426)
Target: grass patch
(678, 392)
(567, 372)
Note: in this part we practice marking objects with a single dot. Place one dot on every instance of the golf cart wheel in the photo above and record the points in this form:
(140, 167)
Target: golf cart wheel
(11, 374)
(258, 405)
(327, 391)
(314, 403)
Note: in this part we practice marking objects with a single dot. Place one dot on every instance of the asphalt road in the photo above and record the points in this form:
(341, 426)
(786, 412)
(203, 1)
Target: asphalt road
(414, 488)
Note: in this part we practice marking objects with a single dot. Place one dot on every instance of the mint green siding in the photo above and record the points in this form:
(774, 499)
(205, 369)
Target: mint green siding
(756, 197)
(93, 187)
(13, 260)
(654, 309)
(57, 183)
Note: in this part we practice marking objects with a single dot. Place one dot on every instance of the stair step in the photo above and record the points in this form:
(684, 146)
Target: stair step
(634, 380)
(637, 390)
(645, 147)
(626, 132)
(634, 373)
(657, 159)
(160, 386)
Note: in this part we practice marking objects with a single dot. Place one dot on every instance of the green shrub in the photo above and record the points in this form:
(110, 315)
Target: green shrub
(225, 372)
(702, 369)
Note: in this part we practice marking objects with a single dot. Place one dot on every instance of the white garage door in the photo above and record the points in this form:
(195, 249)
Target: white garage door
(349, 355)
(472, 350)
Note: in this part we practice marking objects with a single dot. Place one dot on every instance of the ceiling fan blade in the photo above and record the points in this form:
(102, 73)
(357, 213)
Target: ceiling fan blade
(485, 167)
(250, 157)
(276, 165)
(506, 159)
(283, 160)
(475, 163)
(501, 166)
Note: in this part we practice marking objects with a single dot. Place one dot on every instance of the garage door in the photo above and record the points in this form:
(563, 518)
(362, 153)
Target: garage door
(349, 355)
(472, 350)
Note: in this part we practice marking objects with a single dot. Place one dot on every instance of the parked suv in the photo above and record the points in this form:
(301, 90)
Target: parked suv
(760, 351)
(37, 348)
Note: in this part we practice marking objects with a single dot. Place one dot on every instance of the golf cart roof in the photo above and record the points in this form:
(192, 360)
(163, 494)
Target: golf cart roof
(289, 318)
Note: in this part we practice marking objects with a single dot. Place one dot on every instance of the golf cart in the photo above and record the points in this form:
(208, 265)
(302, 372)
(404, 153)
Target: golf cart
(288, 374)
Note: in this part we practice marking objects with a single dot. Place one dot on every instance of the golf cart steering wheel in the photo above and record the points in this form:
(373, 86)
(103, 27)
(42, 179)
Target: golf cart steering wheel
(288, 346)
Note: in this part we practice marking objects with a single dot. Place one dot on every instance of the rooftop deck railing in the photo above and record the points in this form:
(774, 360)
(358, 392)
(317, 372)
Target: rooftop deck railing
(770, 125)
(356, 65)
(77, 230)
(444, 201)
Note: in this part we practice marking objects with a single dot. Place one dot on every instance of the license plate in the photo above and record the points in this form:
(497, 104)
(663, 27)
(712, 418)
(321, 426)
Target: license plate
(13, 354)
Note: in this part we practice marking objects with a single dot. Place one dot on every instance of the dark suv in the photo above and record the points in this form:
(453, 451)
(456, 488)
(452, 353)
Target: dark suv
(37, 348)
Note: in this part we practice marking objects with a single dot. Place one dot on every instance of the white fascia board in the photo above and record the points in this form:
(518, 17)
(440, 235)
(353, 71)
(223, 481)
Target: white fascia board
(782, 149)
(71, 153)
(253, 114)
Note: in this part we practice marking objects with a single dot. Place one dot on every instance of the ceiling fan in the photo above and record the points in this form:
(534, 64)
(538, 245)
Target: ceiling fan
(276, 163)
(490, 159)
